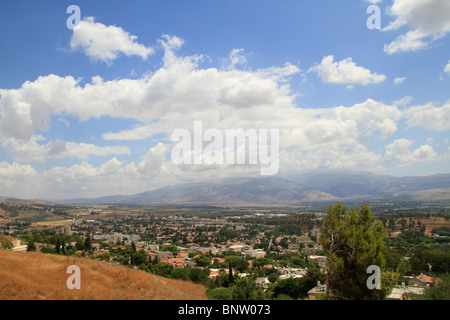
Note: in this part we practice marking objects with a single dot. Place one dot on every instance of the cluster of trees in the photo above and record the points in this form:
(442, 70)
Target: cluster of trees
(127, 256)
(54, 242)
(140, 260)
(407, 242)
(430, 261)
(227, 233)
(292, 288)
(60, 244)
(197, 275)
(247, 289)
(239, 289)
(442, 232)
(41, 236)
(291, 224)
(9, 208)
(229, 286)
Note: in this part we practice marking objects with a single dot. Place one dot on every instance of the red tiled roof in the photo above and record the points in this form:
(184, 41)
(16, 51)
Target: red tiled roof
(425, 278)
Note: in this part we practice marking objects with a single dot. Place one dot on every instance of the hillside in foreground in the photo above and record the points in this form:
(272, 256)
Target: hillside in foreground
(38, 276)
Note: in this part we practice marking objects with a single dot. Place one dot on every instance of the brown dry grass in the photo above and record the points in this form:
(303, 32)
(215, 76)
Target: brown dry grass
(37, 276)
(434, 222)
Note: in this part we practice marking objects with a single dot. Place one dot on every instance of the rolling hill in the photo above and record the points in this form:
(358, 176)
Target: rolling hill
(39, 276)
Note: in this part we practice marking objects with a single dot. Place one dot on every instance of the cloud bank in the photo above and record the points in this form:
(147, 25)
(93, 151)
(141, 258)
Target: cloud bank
(180, 92)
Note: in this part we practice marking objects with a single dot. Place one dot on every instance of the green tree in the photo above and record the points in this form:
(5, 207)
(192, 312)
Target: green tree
(63, 247)
(139, 257)
(162, 269)
(198, 275)
(273, 277)
(237, 263)
(223, 279)
(46, 249)
(260, 262)
(426, 260)
(220, 294)
(246, 289)
(404, 267)
(31, 246)
(297, 262)
(79, 243)
(180, 273)
(352, 241)
(172, 248)
(287, 287)
(392, 257)
(144, 267)
(88, 243)
(309, 281)
(58, 245)
(203, 261)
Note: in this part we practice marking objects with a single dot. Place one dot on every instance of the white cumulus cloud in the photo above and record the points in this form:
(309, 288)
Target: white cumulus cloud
(105, 43)
(447, 68)
(400, 150)
(427, 20)
(429, 116)
(345, 72)
(399, 80)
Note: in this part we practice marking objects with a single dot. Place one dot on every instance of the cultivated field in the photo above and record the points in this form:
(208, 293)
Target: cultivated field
(434, 223)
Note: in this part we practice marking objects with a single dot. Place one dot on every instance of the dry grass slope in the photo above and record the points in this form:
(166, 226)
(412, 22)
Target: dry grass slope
(37, 276)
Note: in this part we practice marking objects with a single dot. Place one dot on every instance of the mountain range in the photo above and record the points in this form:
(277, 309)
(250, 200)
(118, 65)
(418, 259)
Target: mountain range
(289, 190)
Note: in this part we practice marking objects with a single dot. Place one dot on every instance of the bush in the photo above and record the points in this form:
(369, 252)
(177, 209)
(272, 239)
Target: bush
(198, 275)
(220, 294)
(287, 287)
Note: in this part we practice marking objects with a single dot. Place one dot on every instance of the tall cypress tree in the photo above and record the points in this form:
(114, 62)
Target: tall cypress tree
(63, 246)
(58, 246)
(88, 243)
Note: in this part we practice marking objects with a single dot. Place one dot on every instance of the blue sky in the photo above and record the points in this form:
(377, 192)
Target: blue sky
(90, 111)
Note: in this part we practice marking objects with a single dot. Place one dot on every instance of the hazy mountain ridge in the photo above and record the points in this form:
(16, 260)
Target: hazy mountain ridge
(352, 184)
(293, 189)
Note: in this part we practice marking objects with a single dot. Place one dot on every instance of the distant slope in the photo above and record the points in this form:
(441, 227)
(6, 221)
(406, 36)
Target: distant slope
(292, 189)
(25, 202)
(235, 191)
(242, 191)
(38, 276)
(349, 184)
